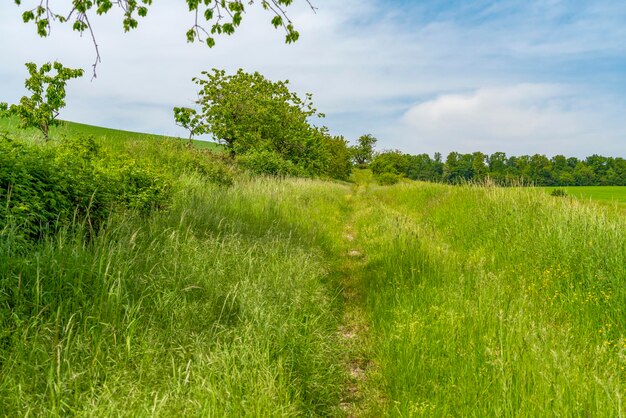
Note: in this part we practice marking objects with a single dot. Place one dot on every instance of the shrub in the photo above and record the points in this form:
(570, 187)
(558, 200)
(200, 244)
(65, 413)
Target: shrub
(558, 193)
(268, 163)
(388, 179)
(45, 187)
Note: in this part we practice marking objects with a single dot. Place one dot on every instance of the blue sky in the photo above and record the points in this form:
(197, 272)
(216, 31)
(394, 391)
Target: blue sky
(523, 77)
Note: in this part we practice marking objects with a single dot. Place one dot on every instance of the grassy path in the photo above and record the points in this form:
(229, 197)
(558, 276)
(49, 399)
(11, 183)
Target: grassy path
(359, 397)
(491, 302)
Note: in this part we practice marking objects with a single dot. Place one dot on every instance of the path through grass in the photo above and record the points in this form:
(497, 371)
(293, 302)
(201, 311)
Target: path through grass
(493, 302)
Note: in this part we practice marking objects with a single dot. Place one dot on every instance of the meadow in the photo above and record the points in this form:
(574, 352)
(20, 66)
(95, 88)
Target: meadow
(605, 194)
(240, 295)
(74, 129)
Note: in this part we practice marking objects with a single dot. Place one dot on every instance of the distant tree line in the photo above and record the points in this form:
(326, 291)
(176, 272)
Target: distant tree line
(537, 169)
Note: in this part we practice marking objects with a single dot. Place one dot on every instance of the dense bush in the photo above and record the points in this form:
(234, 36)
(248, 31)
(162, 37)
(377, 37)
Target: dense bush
(45, 187)
(268, 163)
(558, 193)
(387, 179)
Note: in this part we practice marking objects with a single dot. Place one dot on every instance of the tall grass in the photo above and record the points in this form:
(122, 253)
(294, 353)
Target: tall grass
(494, 302)
(220, 306)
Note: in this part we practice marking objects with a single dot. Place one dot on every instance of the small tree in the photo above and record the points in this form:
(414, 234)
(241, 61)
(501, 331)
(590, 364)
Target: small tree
(190, 119)
(41, 109)
(363, 152)
(249, 112)
(339, 163)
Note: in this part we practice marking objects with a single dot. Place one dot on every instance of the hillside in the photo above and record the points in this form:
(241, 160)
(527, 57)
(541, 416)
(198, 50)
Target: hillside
(73, 129)
(142, 278)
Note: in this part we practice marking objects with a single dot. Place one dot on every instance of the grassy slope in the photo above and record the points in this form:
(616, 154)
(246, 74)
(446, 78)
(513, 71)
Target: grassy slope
(79, 129)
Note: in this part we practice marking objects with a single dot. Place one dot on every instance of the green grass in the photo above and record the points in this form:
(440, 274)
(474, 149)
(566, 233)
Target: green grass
(230, 301)
(221, 306)
(494, 302)
(605, 194)
(71, 129)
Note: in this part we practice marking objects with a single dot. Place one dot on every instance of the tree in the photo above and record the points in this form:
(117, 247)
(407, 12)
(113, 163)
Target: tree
(247, 111)
(394, 162)
(210, 17)
(363, 152)
(41, 109)
(190, 119)
(339, 164)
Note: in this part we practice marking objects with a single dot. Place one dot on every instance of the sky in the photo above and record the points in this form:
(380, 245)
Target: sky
(423, 76)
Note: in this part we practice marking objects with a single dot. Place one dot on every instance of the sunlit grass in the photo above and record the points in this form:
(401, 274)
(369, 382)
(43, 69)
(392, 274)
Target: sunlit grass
(608, 194)
(495, 302)
(221, 306)
(73, 129)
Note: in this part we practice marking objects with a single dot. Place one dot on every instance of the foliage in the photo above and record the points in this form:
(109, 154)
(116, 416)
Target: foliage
(253, 115)
(210, 17)
(389, 162)
(267, 162)
(387, 178)
(189, 119)
(339, 164)
(45, 188)
(220, 16)
(247, 111)
(537, 169)
(41, 108)
(558, 193)
(363, 152)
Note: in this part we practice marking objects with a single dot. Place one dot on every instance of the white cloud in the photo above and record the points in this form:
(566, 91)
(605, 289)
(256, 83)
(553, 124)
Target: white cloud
(524, 118)
(367, 63)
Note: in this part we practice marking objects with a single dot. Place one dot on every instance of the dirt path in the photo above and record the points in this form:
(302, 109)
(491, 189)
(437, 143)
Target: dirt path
(359, 398)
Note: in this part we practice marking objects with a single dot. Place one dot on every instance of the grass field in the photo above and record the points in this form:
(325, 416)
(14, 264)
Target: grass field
(291, 297)
(493, 302)
(605, 194)
(70, 129)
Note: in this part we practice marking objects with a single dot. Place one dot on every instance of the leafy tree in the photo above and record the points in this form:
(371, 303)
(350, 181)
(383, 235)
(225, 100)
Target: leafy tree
(40, 110)
(339, 164)
(390, 162)
(363, 152)
(497, 166)
(458, 167)
(584, 175)
(210, 17)
(479, 169)
(247, 111)
(422, 167)
(189, 119)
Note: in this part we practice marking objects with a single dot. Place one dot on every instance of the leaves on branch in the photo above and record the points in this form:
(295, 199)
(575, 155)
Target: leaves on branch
(41, 109)
(220, 16)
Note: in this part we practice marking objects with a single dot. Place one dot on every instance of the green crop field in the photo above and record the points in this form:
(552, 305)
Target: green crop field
(157, 280)
(606, 194)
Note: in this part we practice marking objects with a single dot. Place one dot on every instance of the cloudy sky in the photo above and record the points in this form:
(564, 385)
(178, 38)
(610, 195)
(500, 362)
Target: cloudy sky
(519, 76)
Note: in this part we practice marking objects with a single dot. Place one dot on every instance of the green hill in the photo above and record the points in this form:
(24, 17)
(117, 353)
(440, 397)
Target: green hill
(70, 129)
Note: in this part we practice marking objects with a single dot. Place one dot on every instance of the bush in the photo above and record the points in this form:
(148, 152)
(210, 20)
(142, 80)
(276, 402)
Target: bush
(558, 193)
(46, 187)
(174, 158)
(388, 179)
(268, 163)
